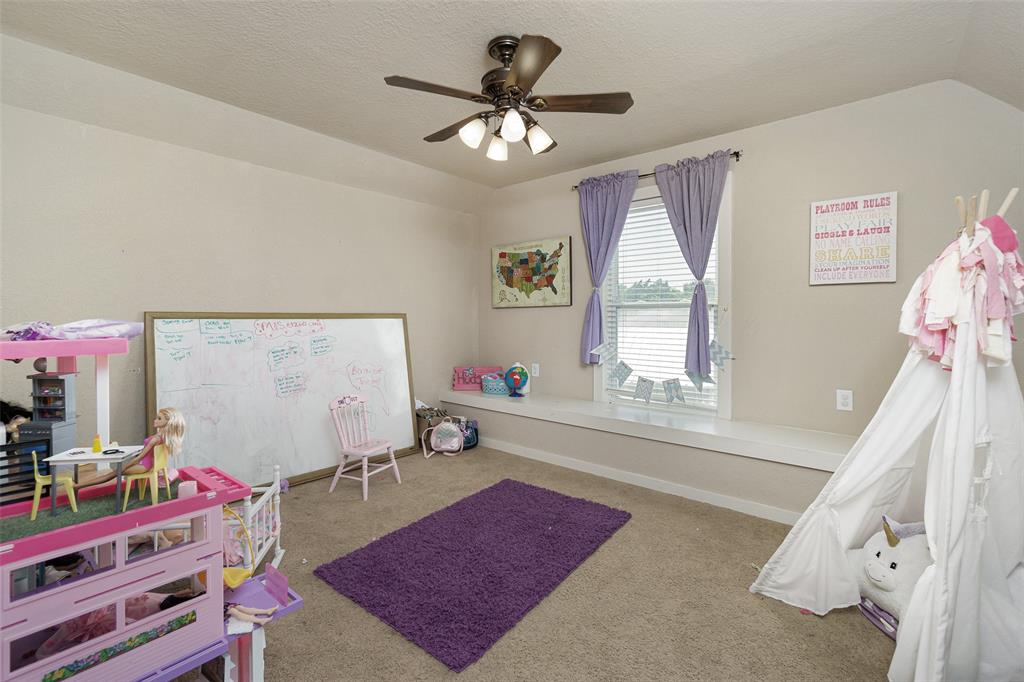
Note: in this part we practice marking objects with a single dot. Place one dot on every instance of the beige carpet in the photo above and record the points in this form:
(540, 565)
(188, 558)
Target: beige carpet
(664, 599)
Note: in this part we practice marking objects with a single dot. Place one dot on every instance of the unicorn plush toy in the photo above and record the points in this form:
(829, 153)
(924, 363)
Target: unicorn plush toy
(890, 563)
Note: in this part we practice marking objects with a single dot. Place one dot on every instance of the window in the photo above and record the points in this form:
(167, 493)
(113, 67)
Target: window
(646, 299)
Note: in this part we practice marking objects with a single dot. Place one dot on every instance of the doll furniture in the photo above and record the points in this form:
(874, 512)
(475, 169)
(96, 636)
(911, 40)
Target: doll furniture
(67, 353)
(83, 616)
(244, 660)
(53, 408)
(262, 519)
(17, 480)
(72, 458)
(351, 422)
(150, 477)
(63, 479)
(233, 575)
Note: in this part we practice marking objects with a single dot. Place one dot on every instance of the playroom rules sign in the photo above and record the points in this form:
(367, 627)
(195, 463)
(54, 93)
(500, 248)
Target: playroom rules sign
(853, 240)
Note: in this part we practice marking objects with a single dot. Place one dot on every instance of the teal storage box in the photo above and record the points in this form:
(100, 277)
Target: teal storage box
(493, 384)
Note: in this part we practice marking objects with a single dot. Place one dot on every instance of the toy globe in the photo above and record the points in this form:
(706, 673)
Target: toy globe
(516, 378)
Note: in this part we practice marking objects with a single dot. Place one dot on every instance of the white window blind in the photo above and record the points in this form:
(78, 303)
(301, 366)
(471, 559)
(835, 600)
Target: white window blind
(646, 299)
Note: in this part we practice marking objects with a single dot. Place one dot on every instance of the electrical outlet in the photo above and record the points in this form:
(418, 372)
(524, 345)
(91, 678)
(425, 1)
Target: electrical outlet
(535, 369)
(844, 399)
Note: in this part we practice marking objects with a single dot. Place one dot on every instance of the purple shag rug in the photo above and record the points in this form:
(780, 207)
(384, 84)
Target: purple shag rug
(456, 581)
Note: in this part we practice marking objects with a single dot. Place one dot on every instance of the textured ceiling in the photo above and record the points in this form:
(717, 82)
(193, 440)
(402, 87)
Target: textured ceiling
(695, 69)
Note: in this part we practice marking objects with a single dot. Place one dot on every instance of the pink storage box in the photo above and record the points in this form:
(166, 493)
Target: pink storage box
(468, 378)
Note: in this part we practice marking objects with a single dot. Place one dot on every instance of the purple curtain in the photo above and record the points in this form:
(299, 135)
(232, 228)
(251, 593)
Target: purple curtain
(604, 202)
(692, 192)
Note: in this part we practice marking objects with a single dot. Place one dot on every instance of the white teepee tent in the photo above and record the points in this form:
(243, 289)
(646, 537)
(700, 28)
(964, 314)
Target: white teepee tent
(953, 424)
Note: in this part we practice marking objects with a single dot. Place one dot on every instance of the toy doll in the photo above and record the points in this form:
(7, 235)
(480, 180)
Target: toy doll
(170, 432)
(248, 614)
(13, 415)
(102, 621)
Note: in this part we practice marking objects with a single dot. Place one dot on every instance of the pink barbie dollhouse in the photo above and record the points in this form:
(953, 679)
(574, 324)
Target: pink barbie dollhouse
(137, 595)
(103, 620)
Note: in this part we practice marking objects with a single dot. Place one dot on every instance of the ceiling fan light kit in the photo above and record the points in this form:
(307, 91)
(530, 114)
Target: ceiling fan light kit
(472, 134)
(509, 90)
(538, 139)
(512, 127)
(497, 150)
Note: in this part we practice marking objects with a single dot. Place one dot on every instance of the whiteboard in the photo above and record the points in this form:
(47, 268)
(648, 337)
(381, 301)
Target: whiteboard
(254, 388)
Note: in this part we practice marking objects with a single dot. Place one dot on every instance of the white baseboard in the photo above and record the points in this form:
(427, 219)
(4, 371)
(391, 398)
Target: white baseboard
(763, 511)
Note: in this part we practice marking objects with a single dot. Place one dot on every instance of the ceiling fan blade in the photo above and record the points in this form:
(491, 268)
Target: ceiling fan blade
(604, 103)
(452, 130)
(423, 86)
(534, 55)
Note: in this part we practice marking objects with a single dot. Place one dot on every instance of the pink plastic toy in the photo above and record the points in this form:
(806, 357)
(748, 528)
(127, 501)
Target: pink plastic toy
(118, 561)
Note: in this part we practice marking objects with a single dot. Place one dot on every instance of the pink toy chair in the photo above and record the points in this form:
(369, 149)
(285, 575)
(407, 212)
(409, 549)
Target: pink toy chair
(351, 423)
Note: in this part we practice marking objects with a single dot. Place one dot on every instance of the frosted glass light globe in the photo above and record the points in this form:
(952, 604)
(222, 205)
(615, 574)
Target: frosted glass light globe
(538, 139)
(512, 127)
(472, 134)
(498, 149)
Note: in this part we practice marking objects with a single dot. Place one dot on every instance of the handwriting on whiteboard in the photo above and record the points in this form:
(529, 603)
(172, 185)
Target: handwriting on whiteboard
(366, 376)
(273, 329)
(169, 325)
(288, 355)
(321, 345)
(289, 384)
(232, 339)
(214, 326)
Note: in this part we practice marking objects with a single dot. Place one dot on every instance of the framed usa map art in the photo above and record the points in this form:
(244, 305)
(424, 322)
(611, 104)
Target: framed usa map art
(532, 274)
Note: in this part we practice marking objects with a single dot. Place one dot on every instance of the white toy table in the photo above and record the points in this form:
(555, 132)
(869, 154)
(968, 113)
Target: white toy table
(76, 456)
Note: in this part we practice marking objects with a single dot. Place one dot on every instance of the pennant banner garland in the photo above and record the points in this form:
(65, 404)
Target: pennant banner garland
(699, 381)
(644, 389)
(719, 353)
(673, 391)
(621, 373)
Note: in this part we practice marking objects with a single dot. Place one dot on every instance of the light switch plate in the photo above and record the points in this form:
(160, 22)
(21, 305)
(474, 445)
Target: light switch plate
(844, 399)
(535, 369)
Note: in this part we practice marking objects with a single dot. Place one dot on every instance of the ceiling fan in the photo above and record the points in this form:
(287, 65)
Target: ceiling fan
(508, 89)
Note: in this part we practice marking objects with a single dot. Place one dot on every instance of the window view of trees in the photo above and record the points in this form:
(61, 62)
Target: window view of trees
(660, 291)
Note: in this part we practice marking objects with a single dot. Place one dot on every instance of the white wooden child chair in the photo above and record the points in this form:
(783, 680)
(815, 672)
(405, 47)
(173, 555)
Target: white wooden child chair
(350, 420)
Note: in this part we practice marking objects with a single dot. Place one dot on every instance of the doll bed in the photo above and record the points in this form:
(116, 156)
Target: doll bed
(262, 520)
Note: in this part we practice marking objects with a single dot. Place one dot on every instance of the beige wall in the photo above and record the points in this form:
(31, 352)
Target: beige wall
(794, 344)
(779, 486)
(99, 223)
(130, 196)
(123, 195)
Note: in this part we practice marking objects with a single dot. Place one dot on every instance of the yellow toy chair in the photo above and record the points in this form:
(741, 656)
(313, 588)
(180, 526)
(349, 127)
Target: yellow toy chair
(63, 478)
(233, 575)
(159, 466)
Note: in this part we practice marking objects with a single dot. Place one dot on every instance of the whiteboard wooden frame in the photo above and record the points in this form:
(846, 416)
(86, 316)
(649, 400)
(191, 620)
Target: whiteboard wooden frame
(151, 406)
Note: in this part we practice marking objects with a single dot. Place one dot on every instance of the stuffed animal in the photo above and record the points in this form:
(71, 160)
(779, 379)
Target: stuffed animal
(13, 416)
(890, 563)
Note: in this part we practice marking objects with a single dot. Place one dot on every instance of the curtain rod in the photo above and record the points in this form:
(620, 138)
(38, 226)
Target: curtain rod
(735, 154)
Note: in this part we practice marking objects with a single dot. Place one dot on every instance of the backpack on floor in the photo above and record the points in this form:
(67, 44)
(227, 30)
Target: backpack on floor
(445, 438)
(470, 433)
